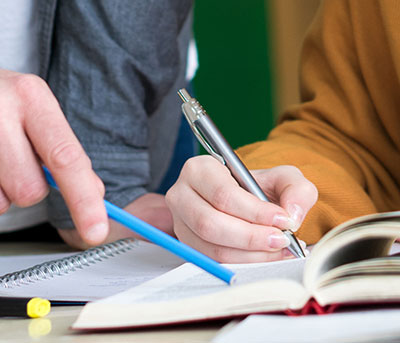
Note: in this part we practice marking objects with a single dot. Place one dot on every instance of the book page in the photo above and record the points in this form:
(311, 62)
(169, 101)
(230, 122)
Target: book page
(188, 281)
(256, 297)
(362, 289)
(362, 241)
(143, 262)
(383, 266)
(188, 294)
(358, 326)
(359, 221)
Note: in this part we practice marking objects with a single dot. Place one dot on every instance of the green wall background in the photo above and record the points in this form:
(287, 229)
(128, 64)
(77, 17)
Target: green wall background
(234, 80)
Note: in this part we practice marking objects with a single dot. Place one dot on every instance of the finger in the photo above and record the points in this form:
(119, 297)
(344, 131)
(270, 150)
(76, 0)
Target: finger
(73, 239)
(225, 254)
(219, 228)
(224, 193)
(20, 174)
(60, 150)
(100, 185)
(292, 190)
(4, 202)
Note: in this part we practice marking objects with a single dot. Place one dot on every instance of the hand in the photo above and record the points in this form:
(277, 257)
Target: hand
(213, 214)
(33, 131)
(150, 207)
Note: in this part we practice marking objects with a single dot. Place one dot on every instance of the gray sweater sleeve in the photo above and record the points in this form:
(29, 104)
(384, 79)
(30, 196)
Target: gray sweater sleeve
(113, 63)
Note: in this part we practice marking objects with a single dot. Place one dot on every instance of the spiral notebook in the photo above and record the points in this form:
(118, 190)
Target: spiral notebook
(85, 276)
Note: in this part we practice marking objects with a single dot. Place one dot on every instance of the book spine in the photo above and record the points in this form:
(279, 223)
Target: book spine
(312, 307)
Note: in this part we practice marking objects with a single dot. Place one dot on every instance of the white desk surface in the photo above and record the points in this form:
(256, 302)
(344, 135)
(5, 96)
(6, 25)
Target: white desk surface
(55, 326)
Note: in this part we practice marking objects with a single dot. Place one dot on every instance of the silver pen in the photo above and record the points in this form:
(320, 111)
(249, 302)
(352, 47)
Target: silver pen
(217, 146)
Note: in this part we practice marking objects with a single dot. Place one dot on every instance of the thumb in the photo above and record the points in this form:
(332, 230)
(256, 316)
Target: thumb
(292, 191)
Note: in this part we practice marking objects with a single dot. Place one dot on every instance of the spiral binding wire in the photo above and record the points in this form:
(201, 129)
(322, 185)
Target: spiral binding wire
(66, 265)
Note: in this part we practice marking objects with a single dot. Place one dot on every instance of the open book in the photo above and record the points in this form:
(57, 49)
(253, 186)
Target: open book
(350, 265)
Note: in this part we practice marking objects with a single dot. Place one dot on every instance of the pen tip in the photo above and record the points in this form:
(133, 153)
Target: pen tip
(295, 247)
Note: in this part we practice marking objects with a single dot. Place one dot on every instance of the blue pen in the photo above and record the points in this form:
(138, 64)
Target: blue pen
(161, 238)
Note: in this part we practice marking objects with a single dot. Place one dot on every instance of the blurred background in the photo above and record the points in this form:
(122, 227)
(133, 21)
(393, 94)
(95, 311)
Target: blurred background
(249, 54)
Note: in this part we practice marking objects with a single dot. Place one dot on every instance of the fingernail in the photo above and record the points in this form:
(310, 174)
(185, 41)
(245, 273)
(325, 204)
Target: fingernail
(97, 233)
(284, 223)
(278, 241)
(296, 215)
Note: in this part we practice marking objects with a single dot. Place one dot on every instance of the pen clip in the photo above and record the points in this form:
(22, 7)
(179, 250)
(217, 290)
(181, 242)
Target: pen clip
(192, 111)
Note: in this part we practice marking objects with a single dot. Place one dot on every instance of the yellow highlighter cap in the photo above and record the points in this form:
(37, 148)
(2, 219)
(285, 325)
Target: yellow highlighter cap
(37, 307)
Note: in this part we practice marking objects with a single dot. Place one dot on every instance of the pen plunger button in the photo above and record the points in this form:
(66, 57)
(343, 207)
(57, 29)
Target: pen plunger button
(184, 95)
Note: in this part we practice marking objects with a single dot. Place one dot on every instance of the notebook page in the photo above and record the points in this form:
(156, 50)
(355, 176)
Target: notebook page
(188, 280)
(107, 277)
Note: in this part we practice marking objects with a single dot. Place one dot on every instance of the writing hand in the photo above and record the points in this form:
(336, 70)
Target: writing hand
(213, 214)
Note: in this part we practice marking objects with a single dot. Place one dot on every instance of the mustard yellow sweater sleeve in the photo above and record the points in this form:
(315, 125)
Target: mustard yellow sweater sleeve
(345, 134)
